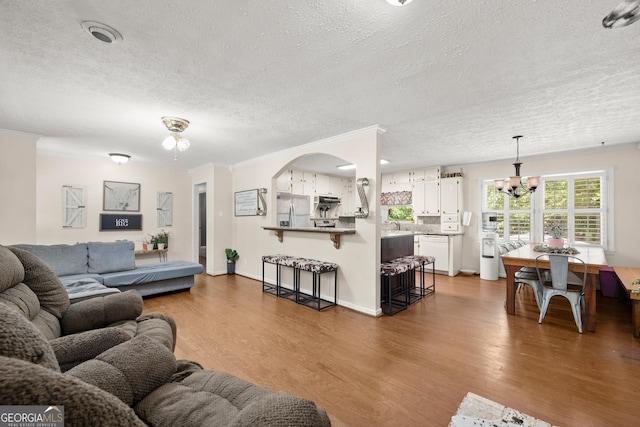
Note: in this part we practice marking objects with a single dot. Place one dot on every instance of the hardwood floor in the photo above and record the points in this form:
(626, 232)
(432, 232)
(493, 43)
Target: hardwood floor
(414, 368)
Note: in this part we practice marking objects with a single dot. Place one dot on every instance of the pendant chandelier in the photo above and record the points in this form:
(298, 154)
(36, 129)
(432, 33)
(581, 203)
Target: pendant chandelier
(175, 141)
(514, 186)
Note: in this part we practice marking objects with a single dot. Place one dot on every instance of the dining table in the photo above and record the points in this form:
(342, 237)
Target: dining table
(525, 256)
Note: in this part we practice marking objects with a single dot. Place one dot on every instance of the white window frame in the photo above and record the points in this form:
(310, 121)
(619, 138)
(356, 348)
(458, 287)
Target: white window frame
(537, 201)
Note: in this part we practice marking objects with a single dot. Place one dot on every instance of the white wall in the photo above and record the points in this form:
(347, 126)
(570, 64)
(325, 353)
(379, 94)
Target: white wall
(218, 181)
(358, 256)
(54, 172)
(17, 188)
(624, 159)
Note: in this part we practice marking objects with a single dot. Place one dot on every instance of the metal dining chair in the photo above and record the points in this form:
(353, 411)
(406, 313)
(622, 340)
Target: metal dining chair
(559, 285)
(531, 278)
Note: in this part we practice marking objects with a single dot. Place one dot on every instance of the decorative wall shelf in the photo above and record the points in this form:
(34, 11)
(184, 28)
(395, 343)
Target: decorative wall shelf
(334, 233)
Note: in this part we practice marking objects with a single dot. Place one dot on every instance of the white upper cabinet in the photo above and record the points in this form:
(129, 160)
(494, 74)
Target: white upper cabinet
(396, 178)
(451, 195)
(303, 182)
(397, 181)
(420, 175)
(328, 185)
(283, 182)
(426, 198)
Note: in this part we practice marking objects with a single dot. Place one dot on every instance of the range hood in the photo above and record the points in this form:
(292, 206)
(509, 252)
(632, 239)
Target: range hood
(328, 199)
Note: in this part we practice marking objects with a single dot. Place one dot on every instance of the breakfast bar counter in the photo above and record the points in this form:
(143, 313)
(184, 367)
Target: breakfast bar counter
(334, 233)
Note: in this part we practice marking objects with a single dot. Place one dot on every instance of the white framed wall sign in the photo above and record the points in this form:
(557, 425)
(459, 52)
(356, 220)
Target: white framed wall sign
(165, 208)
(74, 213)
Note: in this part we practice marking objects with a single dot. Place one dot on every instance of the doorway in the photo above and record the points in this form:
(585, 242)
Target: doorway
(202, 225)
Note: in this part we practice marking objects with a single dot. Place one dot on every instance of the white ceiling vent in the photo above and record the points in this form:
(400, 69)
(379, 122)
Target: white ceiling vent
(102, 32)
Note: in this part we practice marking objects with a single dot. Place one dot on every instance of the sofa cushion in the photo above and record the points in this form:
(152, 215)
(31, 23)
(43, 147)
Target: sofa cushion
(202, 395)
(62, 259)
(20, 339)
(11, 269)
(43, 282)
(24, 383)
(105, 257)
(152, 273)
(86, 287)
(129, 371)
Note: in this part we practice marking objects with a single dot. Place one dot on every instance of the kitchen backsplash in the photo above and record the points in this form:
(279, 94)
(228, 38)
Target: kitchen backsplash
(427, 224)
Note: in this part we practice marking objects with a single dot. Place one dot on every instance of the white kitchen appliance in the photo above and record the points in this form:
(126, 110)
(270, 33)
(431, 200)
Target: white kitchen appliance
(447, 249)
(489, 253)
(293, 210)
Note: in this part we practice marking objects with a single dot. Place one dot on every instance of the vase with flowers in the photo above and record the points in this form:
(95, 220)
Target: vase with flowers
(555, 230)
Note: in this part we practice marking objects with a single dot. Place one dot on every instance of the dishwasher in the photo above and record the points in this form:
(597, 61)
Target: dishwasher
(436, 246)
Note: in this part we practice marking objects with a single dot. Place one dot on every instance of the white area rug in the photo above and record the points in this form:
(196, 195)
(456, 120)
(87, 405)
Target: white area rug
(477, 411)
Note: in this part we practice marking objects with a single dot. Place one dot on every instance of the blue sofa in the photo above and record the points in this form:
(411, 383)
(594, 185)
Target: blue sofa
(98, 268)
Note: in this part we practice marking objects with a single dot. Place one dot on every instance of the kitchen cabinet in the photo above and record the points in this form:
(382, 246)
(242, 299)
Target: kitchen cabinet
(426, 198)
(283, 182)
(303, 182)
(328, 185)
(395, 182)
(430, 174)
(396, 178)
(451, 205)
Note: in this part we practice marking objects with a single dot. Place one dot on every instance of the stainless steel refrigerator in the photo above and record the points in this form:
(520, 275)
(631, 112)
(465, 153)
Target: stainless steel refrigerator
(293, 210)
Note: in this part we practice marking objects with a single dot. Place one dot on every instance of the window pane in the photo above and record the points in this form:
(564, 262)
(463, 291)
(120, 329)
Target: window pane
(494, 198)
(519, 225)
(555, 194)
(587, 193)
(400, 213)
(500, 225)
(521, 203)
(588, 228)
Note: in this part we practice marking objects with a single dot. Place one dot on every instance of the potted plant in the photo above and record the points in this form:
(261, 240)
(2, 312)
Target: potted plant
(160, 240)
(232, 257)
(555, 230)
(163, 238)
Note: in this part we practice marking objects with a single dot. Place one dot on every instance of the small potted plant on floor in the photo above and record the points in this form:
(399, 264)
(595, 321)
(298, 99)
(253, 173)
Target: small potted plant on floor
(232, 257)
(556, 229)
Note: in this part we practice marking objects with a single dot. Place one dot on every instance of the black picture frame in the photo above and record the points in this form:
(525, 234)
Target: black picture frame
(119, 222)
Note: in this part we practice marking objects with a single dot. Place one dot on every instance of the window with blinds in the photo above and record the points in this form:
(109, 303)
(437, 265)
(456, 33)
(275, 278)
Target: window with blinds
(581, 202)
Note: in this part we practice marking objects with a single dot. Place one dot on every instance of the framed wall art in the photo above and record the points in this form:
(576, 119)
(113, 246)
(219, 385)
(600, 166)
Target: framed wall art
(121, 196)
(164, 208)
(74, 213)
(115, 222)
(248, 202)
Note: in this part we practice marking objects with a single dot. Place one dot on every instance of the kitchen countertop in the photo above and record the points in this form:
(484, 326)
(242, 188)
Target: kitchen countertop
(315, 229)
(395, 233)
(387, 234)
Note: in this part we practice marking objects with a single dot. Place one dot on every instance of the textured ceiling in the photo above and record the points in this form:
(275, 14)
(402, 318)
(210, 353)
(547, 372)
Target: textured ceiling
(450, 81)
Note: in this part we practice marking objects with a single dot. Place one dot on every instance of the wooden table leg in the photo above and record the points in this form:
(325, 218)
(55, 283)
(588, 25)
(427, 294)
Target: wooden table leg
(511, 289)
(589, 318)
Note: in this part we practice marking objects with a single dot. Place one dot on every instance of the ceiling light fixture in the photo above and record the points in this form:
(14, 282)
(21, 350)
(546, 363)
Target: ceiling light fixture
(119, 158)
(515, 187)
(102, 32)
(399, 2)
(175, 141)
(350, 166)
